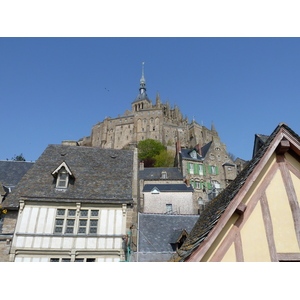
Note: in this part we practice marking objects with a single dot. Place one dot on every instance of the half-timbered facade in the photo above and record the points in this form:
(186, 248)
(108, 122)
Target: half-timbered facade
(75, 204)
(257, 217)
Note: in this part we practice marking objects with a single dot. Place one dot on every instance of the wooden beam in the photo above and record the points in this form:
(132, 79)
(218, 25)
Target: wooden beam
(283, 147)
(290, 190)
(268, 227)
(288, 257)
(241, 208)
(238, 247)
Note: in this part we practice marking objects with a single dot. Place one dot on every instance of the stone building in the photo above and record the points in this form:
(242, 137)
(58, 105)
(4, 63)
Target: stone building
(73, 206)
(11, 173)
(209, 169)
(148, 120)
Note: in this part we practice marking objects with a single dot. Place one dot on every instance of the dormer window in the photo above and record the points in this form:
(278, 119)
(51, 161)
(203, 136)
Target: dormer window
(163, 175)
(193, 154)
(62, 175)
(62, 179)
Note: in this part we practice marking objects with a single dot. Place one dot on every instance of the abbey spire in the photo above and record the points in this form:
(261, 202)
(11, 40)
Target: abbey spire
(142, 95)
(143, 81)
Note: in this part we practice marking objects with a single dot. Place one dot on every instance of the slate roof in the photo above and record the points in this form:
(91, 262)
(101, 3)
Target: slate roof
(215, 208)
(180, 187)
(155, 174)
(11, 172)
(185, 152)
(156, 232)
(100, 175)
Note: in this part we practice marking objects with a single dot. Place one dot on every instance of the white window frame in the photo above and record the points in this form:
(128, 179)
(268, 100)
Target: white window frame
(77, 223)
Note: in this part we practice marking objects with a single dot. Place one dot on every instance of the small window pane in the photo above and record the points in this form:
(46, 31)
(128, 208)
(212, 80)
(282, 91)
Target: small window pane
(59, 222)
(94, 213)
(90, 260)
(58, 230)
(82, 222)
(79, 259)
(83, 213)
(66, 259)
(82, 230)
(94, 222)
(71, 212)
(61, 212)
(69, 230)
(54, 259)
(70, 222)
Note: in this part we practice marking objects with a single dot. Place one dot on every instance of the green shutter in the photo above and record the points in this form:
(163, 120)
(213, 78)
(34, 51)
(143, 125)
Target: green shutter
(217, 170)
(209, 185)
(195, 169)
(204, 170)
(188, 168)
(209, 169)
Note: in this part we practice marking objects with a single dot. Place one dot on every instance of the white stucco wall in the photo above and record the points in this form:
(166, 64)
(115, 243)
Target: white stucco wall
(182, 202)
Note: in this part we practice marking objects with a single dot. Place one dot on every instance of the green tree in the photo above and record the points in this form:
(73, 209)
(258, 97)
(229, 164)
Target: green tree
(164, 159)
(148, 149)
(18, 157)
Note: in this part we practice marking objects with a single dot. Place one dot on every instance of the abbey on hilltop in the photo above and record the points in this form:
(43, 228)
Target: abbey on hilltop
(147, 120)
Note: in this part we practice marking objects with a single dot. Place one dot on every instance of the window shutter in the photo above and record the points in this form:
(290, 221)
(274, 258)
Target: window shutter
(188, 166)
(209, 185)
(217, 170)
(209, 169)
(196, 169)
(204, 170)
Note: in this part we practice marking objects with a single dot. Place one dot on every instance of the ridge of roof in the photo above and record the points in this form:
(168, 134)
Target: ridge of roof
(216, 207)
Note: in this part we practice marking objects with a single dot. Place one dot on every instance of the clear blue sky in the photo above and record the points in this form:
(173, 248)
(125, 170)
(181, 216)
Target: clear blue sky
(55, 89)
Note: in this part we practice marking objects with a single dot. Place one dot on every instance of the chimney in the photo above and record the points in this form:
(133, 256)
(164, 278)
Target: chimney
(178, 147)
(141, 165)
(69, 143)
(198, 148)
(187, 182)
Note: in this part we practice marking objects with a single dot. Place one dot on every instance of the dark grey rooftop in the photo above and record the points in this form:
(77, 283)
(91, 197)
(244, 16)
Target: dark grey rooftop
(140, 97)
(172, 187)
(11, 172)
(185, 153)
(156, 231)
(100, 175)
(155, 174)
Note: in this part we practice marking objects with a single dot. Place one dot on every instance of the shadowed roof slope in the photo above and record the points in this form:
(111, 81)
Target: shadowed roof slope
(214, 210)
(11, 172)
(99, 175)
(155, 173)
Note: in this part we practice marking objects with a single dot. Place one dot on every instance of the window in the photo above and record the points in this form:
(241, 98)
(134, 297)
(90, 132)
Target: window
(54, 259)
(68, 222)
(201, 170)
(197, 184)
(62, 179)
(213, 170)
(191, 168)
(169, 209)
(62, 175)
(163, 175)
(193, 154)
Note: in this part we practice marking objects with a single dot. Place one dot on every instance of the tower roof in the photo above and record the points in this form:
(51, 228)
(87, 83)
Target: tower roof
(142, 95)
